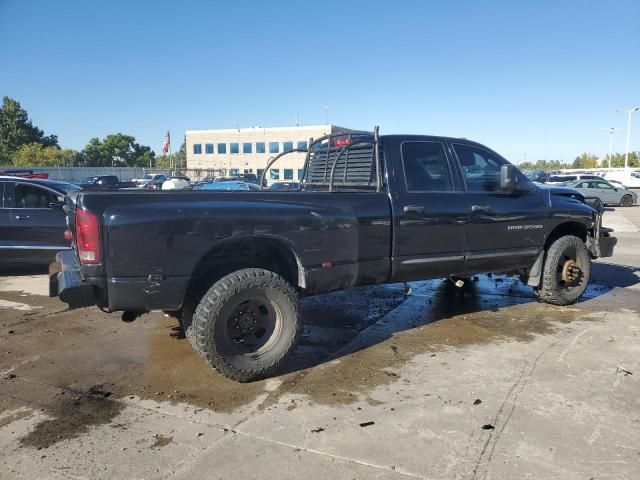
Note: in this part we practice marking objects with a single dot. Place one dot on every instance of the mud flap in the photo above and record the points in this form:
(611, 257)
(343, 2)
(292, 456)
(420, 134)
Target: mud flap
(535, 274)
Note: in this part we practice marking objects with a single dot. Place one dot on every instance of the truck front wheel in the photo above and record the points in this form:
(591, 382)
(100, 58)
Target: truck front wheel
(566, 271)
(247, 324)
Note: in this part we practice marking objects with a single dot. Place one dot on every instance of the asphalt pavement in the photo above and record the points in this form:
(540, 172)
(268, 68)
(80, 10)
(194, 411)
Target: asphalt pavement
(433, 381)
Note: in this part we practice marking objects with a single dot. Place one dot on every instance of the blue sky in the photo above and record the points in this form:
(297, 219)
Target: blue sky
(499, 72)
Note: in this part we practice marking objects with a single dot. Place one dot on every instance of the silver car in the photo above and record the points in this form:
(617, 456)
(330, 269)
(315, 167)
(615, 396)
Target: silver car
(607, 193)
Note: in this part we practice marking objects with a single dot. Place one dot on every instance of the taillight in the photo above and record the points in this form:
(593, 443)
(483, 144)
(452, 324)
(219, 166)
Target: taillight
(88, 237)
(340, 142)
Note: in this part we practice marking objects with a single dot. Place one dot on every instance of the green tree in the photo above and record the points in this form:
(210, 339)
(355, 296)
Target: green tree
(36, 155)
(116, 150)
(617, 160)
(586, 160)
(16, 129)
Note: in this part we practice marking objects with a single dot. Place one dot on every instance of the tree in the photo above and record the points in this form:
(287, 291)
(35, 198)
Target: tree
(16, 130)
(586, 160)
(116, 150)
(36, 155)
(546, 165)
(617, 160)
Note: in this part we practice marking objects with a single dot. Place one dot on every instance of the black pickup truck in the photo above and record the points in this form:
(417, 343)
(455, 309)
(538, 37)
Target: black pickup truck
(104, 182)
(370, 209)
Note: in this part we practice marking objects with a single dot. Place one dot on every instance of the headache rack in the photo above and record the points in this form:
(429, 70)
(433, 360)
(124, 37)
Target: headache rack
(348, 160)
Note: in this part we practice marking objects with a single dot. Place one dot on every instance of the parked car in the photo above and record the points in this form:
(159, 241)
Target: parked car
(231, 265)
(228, 185)
(176, 183)
(565, 178)
(241, 177)
(629, 178)
(606, 192)
(32, 222)
(19, 172)
(285, 186)
(104, 182)
(149, 178)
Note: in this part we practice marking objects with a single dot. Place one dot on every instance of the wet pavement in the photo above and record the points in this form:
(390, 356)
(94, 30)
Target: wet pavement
(431, 381)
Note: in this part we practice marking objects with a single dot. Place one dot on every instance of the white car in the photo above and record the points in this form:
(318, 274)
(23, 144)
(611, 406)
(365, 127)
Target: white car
(147, 179)
(571, 177)
(629, 178)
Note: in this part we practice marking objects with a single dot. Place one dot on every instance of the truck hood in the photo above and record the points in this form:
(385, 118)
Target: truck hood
(561, 191)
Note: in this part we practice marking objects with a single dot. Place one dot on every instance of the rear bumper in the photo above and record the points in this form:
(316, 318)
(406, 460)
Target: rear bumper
(135, 294)
(65, 281)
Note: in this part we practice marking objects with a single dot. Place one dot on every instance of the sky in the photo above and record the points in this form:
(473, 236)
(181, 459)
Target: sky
(536, 79)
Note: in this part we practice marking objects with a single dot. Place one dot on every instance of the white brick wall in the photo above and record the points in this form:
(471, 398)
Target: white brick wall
(251, 161)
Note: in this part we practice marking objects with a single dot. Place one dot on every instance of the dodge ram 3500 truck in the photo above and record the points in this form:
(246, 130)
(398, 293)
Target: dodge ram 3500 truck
(370, 209)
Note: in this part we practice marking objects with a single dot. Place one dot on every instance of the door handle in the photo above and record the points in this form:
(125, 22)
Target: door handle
(413, 209)
(480, 208)
(22, 217)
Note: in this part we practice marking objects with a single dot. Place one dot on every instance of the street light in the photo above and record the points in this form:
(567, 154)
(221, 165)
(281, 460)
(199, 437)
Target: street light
(612, 130)
(630, 111)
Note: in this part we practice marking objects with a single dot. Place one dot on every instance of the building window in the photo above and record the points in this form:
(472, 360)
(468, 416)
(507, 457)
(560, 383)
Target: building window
(302, 145)
(260, 147)
(197, 148)
(274, 174)
(222, 148)
(234, 148)
(233, 172)
(300, 173)
(287, 146)
(246, 147)
(208, 148)
(248, 170)
(274, 147)
(259, 172)
(288, 173)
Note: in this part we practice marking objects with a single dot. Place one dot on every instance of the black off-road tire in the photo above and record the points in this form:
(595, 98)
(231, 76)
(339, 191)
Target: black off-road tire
(214, 314)
(552, 290)
(626, 201)
(186, 318)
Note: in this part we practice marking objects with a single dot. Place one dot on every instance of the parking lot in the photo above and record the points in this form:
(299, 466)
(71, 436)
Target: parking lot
(433, 381)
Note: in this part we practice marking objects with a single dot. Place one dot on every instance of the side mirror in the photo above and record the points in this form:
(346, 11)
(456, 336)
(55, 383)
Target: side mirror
(508, 178)
(615, 189)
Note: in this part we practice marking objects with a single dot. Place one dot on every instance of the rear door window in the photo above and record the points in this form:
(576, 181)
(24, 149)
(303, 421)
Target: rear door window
(33, 196)
(426, 168)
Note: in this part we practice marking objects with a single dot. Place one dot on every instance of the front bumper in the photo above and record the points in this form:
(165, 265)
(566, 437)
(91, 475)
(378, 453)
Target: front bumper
(65, 281)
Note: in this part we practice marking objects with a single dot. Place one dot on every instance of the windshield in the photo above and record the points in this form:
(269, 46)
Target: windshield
(147, 177)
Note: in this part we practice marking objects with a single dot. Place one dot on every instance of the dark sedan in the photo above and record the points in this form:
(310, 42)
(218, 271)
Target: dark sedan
(32, 222)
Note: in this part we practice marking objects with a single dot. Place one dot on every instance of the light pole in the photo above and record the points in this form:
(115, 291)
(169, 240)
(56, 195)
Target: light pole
(612, 130)
(630, 111)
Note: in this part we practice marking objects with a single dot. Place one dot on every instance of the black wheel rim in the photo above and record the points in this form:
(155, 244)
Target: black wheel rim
(569, 273)
(626, 201)
(253, 324)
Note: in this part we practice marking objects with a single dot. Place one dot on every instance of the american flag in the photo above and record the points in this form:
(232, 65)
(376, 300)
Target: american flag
(166, 143)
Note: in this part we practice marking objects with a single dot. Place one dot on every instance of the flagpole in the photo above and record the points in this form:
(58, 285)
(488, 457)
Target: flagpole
(170, 159)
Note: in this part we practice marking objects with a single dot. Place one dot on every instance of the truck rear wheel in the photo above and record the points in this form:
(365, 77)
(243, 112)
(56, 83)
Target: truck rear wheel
(247, 324)
(566, 271)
